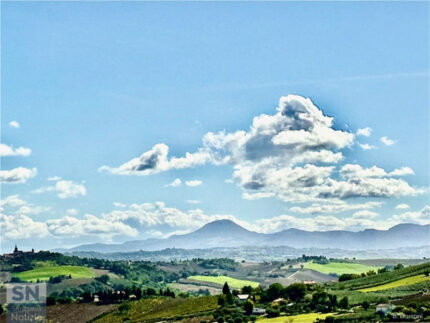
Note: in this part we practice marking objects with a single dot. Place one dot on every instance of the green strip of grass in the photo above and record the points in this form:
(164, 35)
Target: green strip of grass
(339, 268)
(232, 282)
(43, 273)
(397, 283)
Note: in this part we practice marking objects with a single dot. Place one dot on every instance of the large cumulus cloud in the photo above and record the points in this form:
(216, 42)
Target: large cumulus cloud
(294, 154)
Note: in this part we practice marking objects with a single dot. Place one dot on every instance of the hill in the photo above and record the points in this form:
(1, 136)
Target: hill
(226, 233)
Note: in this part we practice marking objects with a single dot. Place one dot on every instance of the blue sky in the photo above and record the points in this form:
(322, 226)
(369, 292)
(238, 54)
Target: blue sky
(95, 84)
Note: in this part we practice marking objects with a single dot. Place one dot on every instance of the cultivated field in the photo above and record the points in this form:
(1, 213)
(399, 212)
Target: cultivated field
(302, 318)
(220, 280)
(339, 268)
(397, 283)
(43, 273)
(159, 309)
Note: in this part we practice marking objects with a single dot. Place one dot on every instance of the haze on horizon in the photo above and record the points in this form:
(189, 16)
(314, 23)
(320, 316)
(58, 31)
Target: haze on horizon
(129, 121)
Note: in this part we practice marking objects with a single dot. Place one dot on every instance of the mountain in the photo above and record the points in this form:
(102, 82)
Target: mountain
(226, 233)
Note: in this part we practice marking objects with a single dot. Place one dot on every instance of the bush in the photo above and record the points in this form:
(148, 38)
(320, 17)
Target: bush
(273, 312)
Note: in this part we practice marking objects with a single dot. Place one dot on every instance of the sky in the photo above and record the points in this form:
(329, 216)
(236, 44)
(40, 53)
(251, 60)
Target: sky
(135, 120)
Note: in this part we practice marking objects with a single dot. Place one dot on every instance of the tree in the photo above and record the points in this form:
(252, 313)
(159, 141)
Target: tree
(296, 292)
(275, 291)
(399, 266)
(365, 305)
(248, 307)
(226, 289)
(344, 303)
(246, 290)
(103, 278)
(222, 300)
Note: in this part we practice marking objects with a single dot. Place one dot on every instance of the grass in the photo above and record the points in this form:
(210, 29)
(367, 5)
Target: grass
(397, 283)
(220, 280)
(339, 268)
(310, 317)
(384, 278)
(43, 273)
(161, 308)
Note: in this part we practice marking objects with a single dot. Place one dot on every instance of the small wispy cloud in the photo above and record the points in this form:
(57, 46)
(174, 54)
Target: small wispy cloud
(402, 206)
(193, 201)
(14, 124)
(366, 132)
(387, 141)
(177, 182)
(366, 146)
(194, 183)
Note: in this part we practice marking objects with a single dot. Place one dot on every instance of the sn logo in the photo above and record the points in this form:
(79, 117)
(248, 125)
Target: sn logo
(26, 293)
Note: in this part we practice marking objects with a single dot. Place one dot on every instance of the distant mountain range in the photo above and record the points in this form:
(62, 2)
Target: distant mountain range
(227, 234)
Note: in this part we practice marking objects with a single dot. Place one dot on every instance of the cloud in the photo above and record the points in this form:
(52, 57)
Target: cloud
(64, 189)
(90, 225)
(402, 206)
(177, 182)
(6, 150)
(194, 183)
(292, 155)
(155, 161)
(13, 204)
(334, 206)
(72, 211)
(118, 204)
(14, 124)
(366, 146)
(54, 178)
(193, 201)
(17, 175)
(402, 171)
(22, 227)
(386, 141)
(364, 214)
(419, 217)
(366, 132)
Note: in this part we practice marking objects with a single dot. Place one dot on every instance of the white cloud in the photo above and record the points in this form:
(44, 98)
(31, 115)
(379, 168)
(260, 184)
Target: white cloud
(365, 214)
(334, 206)
(6, 150)
(194, 183)
(366, 146)
(156, 160)
(69, 189)
(402, 171)
(14, 124)
(21, 227)
(177, 182)
(17, 175)
(387, 142)
(90, 225)
(193, 201)
(366, 132)
(64, 189)
(54, 178)
(72, 211)
(402, 206)
(291, 154)
(118, 204)
(419, 217)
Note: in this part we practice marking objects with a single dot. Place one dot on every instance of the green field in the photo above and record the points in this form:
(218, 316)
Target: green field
(339, 268)
(43, 273)
(160, 309)
(397, 283)
(301, 318)
(232, 282)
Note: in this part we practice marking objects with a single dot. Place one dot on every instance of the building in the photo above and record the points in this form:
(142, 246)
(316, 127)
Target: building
(384, 308)
(242, 297)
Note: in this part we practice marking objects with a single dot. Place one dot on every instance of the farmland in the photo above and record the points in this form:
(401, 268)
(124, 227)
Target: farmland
(301, 318)
(220, 280)
(43, 273)
(339, 268)
(397, 283)
(158, 308)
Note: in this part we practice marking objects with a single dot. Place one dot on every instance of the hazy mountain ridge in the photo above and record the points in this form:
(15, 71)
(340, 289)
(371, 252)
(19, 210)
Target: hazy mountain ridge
(227, 234)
